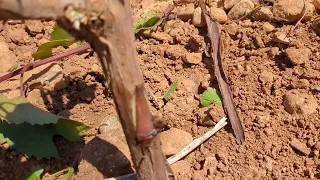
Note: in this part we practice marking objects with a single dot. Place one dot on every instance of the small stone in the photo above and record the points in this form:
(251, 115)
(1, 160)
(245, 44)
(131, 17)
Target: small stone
(266, 76)
(296, 102)
(232, 28)
(258, 42)
(5, 146)
(263, 14)
(298, 56)
(299, 146)
(288, 9)
(281, 37)
(218, 14)
(23, 159)
(228, 4)
(268, 131)
(110, 123)
(174, 140)
(241, 9)
(18, 36)
(268, 27)
(198, 19)
(181, 2)
(33, 26)
(192, 58)
(185, 12)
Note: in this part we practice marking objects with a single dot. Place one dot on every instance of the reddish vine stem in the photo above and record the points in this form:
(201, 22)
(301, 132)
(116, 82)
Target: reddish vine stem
(31, 66)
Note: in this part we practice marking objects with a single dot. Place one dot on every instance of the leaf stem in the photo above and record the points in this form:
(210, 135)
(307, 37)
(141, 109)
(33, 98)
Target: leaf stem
(44, 61)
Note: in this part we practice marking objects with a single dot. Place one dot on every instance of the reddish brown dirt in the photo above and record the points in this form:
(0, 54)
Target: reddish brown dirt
(260, 75)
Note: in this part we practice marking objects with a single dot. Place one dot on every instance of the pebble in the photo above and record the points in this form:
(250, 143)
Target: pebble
(228, 4)
(185, 12)
(192, 58)
(268, 27)
(288, 9)
(263, 14)
(23, 159)
(33, 26)
(232, 28)
(110, 123)
(219, 14)
(281, 37)
(5, 146)
(174, 140)
(299, 146)
(198, 19)
(298, 56)
(296, 102)
(241, 9)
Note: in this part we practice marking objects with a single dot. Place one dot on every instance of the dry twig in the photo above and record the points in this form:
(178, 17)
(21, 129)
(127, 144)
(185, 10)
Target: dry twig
(229, 106)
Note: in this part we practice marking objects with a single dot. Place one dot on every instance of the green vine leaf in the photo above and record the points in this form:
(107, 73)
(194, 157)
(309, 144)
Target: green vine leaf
(171, 89)
(35, 173)
(146, 24)
(59, 37)
(29, 130)
(210, 96)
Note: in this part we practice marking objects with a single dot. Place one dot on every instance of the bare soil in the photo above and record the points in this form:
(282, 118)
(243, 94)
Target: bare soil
(277, 99)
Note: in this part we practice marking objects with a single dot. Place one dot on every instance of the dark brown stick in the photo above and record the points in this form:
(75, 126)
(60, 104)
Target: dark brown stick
(229, 106)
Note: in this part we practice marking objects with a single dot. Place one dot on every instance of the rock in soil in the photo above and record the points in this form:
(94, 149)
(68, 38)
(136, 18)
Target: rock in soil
(291, 10)
(174, 140)
(241, 9)
(298, 56)
(316, 26)
(106, 155)
(185, 12)
(110, 123)
(269, 27)
(297, 102)
(263, 14)
(198, 19)
(228, 4)
(299, 146)
(192, 58)
(219, 14)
